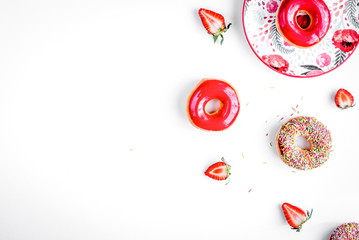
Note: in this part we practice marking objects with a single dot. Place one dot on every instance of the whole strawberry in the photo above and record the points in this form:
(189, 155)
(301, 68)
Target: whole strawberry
(295, 216)
(344, 99)
(219, 171)
(214, 23)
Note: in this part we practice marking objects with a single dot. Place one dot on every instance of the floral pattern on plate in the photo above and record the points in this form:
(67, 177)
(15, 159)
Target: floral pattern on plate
(267, 43)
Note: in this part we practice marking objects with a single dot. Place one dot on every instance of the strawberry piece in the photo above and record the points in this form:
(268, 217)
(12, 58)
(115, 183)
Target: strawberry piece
(295, 216)
(214, 23)
(303, 20)
(219, 171)
(344, 99)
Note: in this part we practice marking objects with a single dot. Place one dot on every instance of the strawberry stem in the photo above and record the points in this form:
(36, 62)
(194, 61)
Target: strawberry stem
(220, 33)
(222, 38)
(215, 37)
(309, 215)
(228, 169)
(227, 181)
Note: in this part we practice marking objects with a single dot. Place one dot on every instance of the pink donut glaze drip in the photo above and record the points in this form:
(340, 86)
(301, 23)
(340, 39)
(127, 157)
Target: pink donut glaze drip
(292, 32)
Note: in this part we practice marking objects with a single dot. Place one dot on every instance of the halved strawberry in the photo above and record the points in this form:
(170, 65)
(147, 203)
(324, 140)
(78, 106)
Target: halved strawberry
(344, 99)
(295, 216)
(214, 23)
(219, 171)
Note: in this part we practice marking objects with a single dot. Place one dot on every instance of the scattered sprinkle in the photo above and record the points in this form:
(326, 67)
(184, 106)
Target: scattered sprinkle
(242, 155)
(247, 104)
(281, 119)
(270, 144)
(264, 162)
(293, 171)
(250, 190)
(271, 87)
(131, 149)
(266, 134)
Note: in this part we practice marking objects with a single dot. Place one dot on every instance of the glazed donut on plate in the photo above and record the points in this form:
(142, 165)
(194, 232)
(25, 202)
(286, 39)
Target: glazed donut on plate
(346, 231)
(205, 91)
(316, 134)
(303, 23)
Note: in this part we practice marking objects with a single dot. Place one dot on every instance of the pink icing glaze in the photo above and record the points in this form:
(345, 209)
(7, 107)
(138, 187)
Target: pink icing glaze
(289, 26)
(207, 90)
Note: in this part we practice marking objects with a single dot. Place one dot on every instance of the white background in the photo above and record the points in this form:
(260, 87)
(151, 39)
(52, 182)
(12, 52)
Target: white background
(95, 142)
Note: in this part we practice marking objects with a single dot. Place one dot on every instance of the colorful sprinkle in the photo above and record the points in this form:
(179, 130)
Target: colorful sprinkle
(346, 231)
(315, 132)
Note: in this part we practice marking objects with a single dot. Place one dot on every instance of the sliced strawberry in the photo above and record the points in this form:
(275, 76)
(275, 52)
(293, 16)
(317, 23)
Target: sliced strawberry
(344, 99)
(214, 23)
(219, 170)
(295, 216)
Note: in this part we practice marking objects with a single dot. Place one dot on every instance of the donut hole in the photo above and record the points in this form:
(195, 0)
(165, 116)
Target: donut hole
(303, 143)
(213, 106)
(303, 19)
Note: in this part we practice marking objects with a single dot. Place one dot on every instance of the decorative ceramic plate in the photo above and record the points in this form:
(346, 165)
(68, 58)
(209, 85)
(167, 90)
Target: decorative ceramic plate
(259, 23)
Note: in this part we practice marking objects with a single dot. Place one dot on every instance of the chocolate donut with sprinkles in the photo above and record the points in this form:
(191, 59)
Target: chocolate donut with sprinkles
(314, 132)
(346, 231)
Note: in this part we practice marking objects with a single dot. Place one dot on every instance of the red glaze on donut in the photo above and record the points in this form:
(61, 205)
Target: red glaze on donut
(205, 91)
(315, 23)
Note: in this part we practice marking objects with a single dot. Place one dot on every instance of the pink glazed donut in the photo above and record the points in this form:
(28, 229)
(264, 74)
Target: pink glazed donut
(303, 23)
(205, 91)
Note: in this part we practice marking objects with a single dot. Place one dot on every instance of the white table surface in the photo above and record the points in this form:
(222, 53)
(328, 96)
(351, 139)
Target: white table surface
(95, 142)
